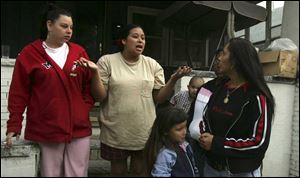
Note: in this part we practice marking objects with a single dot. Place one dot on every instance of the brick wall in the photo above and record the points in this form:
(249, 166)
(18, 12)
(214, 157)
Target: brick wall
(294, 162)
(6, 74)
(23, 158)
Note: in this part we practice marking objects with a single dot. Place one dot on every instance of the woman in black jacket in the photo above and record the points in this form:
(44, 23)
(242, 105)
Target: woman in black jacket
(238, 115)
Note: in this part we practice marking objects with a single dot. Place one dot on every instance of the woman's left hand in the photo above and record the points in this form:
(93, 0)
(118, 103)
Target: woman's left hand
(87, 63)
(206, 140)
(181, 71)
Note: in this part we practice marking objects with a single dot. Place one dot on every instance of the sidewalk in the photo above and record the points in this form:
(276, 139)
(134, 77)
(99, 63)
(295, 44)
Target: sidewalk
(99, 168)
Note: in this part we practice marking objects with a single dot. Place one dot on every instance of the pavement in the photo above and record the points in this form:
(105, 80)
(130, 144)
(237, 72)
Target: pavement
(99, 168)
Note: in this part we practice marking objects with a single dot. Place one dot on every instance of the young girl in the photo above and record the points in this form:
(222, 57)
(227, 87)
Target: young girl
(167, 152)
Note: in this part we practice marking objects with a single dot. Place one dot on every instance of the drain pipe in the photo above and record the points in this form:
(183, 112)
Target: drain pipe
(221, 37)
(230, 24)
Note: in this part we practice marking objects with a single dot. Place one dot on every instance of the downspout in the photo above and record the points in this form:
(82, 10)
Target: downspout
(186, 40)
(230, 23)
(221, 37)
(268, 24)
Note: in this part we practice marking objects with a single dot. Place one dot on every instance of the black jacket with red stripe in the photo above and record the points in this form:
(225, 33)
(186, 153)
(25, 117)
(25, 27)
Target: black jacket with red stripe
(241, 127)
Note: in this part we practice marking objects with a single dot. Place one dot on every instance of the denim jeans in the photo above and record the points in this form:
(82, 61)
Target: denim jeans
(211, 172)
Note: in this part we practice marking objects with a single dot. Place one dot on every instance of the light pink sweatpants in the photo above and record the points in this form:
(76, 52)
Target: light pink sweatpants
(65, 159)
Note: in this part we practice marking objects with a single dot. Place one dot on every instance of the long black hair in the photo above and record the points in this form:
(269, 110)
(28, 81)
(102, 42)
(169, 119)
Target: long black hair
(166, 118)
(246, 61)
(53, 13)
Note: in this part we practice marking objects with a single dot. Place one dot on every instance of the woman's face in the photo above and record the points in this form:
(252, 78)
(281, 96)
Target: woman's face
(178, 132)
(225, 64)
(216, 63)
(60, 30)
(135, 42)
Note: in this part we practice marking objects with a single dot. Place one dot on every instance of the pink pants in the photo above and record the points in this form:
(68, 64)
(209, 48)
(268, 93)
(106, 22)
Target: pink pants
(65, 159)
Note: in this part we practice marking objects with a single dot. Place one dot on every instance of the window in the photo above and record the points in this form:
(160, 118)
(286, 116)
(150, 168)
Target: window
(147, 18)
(277, 10)
(257, 32)
(187, 47)
(240, 34)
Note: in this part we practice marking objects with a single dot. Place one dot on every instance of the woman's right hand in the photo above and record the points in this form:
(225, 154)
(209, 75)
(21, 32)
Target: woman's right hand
(8, 140)
(180, 72)
(206, 140)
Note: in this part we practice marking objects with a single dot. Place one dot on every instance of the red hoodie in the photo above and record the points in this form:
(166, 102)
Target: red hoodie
(58, 100)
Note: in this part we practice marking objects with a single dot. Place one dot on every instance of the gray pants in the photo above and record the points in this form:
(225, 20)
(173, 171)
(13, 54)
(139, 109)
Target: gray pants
(211, 172)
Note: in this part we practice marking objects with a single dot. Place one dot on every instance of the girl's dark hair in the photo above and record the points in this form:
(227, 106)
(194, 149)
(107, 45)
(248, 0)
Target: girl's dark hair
(52, 14)
(166, 118)
(246, 61)
(124, 34)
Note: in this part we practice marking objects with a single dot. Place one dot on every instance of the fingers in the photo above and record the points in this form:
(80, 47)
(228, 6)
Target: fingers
(204, 144)
(205, 134)
(10, 134)
(8, 141)
(184, 68)
(86, 63)
(82, 62)
(206, 140)
(182, 71)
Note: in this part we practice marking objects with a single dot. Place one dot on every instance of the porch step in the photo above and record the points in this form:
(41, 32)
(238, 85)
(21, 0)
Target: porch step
(97, 165)
(95, 149)
(99, 168)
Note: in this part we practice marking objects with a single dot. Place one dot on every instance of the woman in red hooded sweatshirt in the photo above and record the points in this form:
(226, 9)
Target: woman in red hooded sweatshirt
(56, 93)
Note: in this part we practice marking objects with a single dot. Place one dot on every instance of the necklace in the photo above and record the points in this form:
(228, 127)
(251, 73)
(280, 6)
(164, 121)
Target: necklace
(226, 99)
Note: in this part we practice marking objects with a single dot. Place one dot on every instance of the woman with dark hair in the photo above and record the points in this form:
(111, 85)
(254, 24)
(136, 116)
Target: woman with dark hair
(238, 115)
(56, 94)
(128, 85)
(167, 154)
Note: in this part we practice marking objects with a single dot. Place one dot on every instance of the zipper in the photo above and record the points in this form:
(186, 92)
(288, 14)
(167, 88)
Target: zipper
(238, 118)
(205, 118)
(190, 163)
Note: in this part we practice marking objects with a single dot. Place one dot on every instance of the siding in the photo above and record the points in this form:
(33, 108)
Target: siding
(294, 161)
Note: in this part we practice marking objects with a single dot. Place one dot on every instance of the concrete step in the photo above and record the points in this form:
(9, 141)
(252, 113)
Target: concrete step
(99, 168)
(97, 165)
(95, 149)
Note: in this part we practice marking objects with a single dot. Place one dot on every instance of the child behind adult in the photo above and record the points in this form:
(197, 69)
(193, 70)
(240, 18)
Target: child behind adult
(184, 99)
(167, 153)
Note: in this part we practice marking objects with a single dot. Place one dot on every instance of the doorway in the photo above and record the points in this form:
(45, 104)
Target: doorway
(89, 25)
